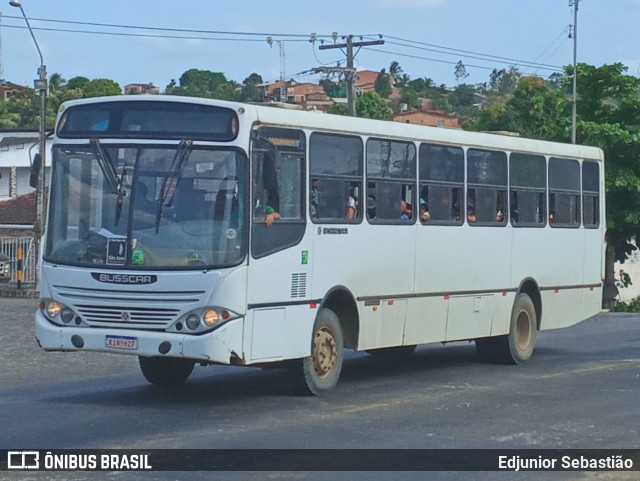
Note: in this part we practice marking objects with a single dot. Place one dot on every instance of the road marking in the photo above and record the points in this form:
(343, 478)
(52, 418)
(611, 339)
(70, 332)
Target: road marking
(585, 370)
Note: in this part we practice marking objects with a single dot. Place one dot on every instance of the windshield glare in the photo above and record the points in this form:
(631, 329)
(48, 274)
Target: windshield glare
(168, 214)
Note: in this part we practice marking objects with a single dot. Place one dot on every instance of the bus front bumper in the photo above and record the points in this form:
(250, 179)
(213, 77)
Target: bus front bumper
(220, 346)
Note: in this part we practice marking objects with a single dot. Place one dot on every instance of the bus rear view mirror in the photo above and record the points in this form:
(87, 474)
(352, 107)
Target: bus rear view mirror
(35, 171)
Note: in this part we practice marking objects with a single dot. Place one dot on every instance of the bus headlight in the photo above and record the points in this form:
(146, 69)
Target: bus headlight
(204, 319)
(193, 321)
(58, 312)
(67, 315)
(53, 309)
(210, 317)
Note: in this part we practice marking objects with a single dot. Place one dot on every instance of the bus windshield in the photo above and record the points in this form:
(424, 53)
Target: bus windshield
(147, 207)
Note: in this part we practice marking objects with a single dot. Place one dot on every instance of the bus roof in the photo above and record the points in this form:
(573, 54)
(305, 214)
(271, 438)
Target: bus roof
(376, 128)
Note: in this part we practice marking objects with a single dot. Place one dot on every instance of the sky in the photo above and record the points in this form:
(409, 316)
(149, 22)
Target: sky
(426, 37)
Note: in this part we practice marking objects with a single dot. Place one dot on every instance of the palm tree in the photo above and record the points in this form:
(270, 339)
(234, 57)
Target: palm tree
(394, 71)
(56, 82)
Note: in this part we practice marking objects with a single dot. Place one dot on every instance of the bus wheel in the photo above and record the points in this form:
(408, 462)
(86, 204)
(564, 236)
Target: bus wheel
(320, 372)
(165, 371)
(516, 347)
(397, 351)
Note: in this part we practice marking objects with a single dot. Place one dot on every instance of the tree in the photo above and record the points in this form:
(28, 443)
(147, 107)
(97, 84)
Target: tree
(56, 82)
(208, 84)
(608, 117)
(382, 85)
(503, 81)
(24, 109)
(394, 70)
(460, 71)
(402, 80)
(77, 83)
(253, 79)
(337, 109)
(410, 97)
(461, 99)
(537, 111)
(371, 105)
(101, 87)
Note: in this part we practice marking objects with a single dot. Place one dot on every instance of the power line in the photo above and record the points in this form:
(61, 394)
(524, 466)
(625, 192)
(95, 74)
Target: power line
(562, 34)
(299, 37)
(426, 58)
(469, 54)
(167, 29)
(143, 35)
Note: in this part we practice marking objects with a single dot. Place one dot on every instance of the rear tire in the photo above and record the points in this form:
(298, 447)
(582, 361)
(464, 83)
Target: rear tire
(165, 371)
(320, 372)
(516, 347)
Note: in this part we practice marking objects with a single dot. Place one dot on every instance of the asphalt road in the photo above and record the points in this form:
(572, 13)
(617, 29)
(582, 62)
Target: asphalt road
(580, 390)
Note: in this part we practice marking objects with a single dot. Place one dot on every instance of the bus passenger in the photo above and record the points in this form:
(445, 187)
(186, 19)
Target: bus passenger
(424, 211)
(314, 197)
(270, 184)
(351, 208)
(405, 209)
(471, 211)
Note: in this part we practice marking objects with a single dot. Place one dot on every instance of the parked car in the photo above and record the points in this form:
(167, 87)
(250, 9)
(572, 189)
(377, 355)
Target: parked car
(5, 268)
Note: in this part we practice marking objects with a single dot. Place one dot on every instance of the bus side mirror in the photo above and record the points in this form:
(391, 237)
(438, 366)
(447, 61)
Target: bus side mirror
(35, 171)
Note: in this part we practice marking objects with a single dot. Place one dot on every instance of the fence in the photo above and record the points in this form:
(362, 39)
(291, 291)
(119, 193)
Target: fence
(9, 247)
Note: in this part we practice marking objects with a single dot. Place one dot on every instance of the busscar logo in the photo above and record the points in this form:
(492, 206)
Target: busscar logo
(124, 278)
(23, 460)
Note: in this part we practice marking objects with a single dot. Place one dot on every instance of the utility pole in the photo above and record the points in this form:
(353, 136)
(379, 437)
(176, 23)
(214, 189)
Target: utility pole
(41, 85)
(283, 85)
(574, 102)
(349, 70)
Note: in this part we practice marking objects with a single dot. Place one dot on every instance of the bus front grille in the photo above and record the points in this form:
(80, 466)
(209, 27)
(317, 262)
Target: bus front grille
(132, 317)
(150, 310)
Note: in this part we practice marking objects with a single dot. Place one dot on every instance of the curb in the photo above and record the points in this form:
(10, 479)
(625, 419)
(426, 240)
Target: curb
(15, 293)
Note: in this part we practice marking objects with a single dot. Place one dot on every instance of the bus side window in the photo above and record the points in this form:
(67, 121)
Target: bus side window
(391, 173)
(441, 184)
(487, 187)
(528, 179)
(277, 163)
(590, 194)
(336, 166)
(564, 192)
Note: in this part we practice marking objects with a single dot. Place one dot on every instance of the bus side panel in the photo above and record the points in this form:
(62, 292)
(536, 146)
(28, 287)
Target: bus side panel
(279, 320)
(384, 321)
(274, 334)
(426, 320)
(371, 261)
(439, 262)
(560, 281)
(594, 250)
(469, 317)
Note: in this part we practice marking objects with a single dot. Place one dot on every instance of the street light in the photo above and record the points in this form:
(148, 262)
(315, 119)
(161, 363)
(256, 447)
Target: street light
(40, 84)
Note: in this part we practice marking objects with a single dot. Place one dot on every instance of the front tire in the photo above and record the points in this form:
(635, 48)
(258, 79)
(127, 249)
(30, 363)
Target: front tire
(165, 371)
(320, 372)
(516, 347)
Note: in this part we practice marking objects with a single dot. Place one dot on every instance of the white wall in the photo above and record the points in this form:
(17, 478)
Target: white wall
(16, 154)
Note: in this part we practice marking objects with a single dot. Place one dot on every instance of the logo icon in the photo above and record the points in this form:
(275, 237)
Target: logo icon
(23, 460)
(125, 316)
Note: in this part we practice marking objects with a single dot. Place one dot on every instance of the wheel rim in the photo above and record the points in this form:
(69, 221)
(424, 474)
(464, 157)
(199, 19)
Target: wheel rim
(325, 352)
(523, 331)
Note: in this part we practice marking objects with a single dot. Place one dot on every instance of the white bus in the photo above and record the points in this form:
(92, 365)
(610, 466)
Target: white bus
(188, 231)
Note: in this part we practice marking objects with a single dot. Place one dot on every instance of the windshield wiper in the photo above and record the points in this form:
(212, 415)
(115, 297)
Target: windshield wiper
(170, 181)
(109, 170)
(107, 167)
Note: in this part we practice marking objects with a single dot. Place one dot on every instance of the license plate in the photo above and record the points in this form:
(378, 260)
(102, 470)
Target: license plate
(121, 342)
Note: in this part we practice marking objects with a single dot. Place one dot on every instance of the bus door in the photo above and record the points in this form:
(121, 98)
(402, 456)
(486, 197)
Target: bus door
(278, 267)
